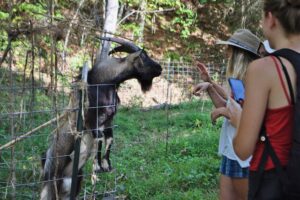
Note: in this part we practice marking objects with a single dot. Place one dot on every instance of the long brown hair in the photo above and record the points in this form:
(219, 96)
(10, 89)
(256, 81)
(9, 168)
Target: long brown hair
(287, 12)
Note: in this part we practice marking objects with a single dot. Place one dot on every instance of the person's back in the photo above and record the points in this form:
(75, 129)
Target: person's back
(268, 100)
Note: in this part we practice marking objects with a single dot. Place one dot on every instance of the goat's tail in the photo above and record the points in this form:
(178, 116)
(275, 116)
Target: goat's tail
(48, 188)
(60, 183)
(48, 192)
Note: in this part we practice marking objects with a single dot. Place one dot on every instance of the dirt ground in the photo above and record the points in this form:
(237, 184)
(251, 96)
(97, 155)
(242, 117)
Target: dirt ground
(161, 92)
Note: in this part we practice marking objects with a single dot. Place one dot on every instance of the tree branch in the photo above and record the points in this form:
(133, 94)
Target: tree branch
(14, 141)
(145, 12)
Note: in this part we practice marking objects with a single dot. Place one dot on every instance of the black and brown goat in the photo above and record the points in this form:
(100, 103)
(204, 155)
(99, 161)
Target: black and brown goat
(103, 81)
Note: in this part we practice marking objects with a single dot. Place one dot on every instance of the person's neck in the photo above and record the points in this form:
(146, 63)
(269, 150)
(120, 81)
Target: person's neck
(290, 42)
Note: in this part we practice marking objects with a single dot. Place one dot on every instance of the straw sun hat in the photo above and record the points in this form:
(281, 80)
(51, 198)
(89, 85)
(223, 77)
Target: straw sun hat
(244, 39)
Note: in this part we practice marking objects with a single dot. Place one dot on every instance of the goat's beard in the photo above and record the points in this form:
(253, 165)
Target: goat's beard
(145, 84)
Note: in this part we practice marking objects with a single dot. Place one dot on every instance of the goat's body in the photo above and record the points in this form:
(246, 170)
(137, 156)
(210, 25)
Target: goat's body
(103, 106)
(103, 80)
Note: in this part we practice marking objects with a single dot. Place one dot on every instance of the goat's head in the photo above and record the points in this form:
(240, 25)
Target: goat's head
(145, 68)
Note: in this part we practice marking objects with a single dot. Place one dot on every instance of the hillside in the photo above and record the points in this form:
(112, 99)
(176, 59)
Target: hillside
(179, 30)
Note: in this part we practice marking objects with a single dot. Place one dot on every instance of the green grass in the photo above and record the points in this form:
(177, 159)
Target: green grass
(158, 154)
(167, 154)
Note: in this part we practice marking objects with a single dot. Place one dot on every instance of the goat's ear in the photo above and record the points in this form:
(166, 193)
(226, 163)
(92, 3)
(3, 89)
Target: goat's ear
(132, 57)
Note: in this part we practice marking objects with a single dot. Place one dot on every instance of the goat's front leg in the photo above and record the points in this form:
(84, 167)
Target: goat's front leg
(97, 151)
(108, 137)
(102, 164)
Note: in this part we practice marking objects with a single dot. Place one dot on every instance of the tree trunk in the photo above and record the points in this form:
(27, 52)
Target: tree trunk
(64, 57)
(109, 27)
(243, 13)
(143, 7)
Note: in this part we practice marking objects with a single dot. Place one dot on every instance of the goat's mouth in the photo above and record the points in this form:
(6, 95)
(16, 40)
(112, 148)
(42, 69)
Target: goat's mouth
(146, 84)
(158, 73)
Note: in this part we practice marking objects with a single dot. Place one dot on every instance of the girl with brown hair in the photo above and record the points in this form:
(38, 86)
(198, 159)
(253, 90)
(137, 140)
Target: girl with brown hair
(269, 102)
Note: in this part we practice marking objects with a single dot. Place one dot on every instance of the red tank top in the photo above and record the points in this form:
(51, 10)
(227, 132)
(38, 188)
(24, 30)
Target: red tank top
(279, 124)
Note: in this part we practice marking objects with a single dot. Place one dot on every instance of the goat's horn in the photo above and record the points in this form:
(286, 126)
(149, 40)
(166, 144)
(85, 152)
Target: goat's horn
(121, 48)
(125, 46)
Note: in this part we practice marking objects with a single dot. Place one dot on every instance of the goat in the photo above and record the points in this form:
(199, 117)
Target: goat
(103, 100)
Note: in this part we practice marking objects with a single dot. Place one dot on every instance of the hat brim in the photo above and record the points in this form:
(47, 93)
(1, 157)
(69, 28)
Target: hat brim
(236, 45)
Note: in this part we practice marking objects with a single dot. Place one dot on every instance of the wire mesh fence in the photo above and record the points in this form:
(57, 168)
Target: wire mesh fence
(174, 86)
(34, 119)
(33, 114)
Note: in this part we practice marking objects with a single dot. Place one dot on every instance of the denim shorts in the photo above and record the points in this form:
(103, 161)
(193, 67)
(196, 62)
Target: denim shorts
(232, 169)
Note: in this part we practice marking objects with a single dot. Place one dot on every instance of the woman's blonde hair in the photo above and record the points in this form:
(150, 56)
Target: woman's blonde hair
(238, 62)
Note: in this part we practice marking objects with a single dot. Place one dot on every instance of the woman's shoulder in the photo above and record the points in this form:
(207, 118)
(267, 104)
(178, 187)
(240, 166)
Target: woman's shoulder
(261, 72)
(262, 65)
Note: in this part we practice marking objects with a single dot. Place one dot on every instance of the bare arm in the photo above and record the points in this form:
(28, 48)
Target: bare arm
(219, 112)
(215, 91)
(220, 90)
(217, 98)
(256, 99)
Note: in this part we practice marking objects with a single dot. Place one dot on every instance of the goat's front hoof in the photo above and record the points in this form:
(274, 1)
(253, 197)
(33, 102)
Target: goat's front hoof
(102, 170)
(104, 167)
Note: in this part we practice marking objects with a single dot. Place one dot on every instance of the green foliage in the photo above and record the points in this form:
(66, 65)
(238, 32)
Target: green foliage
(3, 15)
(184, 21)
(25, 11)
(215, 1)
(132, 27)
(32, 9)
(173, 55)
(78, 61)
(3, 40)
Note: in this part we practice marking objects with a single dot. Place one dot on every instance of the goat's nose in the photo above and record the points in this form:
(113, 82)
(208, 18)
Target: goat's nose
(160, 69)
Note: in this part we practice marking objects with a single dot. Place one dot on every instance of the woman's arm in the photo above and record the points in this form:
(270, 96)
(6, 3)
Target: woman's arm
(257, 90)
(219, 112)
(204, 75)
(220, 90)
(217, 99)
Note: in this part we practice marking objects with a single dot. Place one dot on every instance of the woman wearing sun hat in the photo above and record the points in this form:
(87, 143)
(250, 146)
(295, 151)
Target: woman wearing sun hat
(242, 48)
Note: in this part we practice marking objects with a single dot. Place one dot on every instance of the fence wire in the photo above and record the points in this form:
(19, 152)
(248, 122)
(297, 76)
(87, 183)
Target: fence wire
(28, 102)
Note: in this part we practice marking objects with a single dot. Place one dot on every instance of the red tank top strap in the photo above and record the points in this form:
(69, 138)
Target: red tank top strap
(281, 80)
